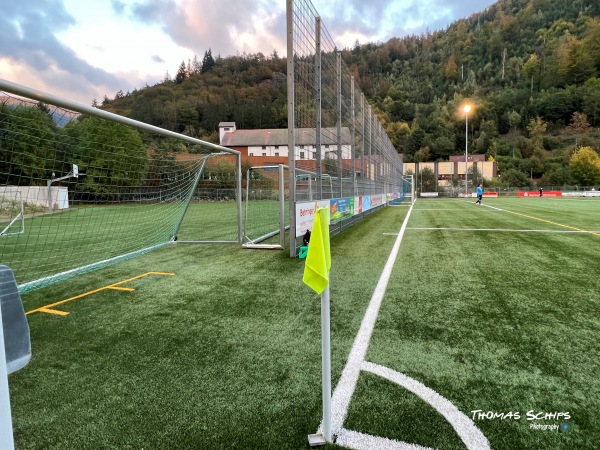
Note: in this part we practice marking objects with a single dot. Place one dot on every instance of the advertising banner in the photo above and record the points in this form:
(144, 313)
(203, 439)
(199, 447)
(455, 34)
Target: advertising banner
(358, 205)
(305, 215)
(537, 194)
(341, 208)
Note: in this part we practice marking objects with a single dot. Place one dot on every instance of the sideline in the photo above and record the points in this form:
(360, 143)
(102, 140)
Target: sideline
(464, 426)
(501, 230)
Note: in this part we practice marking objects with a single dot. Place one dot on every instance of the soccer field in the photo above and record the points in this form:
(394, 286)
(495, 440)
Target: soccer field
(486, 334)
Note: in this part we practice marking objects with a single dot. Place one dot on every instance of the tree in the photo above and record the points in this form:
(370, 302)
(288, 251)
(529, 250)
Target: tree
(31, 135)
(585, 167)
(536, 129)
(423, 154)
(514, 177)
(427, 181)
(531, 70)
(579, 122)
(196, 66)
(181, 73)
(591, 100)
(111, 155)
(451, 71)
(208, 61)
(514, 120)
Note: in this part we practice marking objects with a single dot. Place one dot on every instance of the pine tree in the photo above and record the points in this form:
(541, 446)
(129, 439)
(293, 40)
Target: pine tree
(181, 73)
(208, 61)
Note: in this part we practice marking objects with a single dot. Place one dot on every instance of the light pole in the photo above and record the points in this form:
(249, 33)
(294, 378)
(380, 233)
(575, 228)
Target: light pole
(466, 109)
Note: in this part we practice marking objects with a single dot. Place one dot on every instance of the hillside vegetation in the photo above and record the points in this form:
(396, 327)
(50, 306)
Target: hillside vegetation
(530, 69)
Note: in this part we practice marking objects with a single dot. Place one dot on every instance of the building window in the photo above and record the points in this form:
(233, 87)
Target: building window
(301, 155)
(264, 154)
(251, 154)
(226, 129)
(264, 147)
(327, 146)
(302, 146)
(276, 153)
(276, 147)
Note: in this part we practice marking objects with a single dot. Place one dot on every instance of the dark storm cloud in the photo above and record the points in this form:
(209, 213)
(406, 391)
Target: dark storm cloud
(27, 38)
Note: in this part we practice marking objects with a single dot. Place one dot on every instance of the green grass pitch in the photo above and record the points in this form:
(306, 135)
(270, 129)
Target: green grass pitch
(494, 307)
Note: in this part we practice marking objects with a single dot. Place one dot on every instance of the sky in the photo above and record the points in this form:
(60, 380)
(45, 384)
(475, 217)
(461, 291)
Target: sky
(82, 50)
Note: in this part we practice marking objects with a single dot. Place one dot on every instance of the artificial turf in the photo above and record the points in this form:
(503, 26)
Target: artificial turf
(226, 353)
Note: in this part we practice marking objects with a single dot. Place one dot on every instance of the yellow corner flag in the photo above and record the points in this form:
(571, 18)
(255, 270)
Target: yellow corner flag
(318, 259)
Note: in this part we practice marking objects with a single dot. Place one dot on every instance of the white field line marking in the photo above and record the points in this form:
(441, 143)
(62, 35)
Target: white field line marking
(362, 441)
(483, 204)
(462, 424)
(347, 384)
(506, 230)
(595, 233)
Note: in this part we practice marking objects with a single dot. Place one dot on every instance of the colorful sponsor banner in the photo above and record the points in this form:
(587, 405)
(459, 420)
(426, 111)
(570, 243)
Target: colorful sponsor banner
(376, 200)
(537, 193)
(340, 209)
(490, 194)
(305, 215)
(358, 205)
(366, 202)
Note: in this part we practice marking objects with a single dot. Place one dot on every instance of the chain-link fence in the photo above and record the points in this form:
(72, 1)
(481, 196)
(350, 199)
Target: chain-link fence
(334, 133)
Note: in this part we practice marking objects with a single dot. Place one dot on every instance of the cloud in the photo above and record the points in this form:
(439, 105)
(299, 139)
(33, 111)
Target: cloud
(381, 20)
(31, 50)
(226, 27)
(118, 7)
(43, 46)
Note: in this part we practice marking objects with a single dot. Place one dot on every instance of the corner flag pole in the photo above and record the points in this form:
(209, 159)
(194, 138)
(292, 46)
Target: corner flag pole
(326, 363)
(316, 275)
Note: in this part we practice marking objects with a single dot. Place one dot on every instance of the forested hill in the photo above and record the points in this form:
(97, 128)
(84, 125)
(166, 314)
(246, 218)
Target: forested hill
(529, 67)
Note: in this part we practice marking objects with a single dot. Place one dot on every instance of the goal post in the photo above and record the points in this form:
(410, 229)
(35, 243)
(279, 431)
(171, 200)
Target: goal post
(97, 188)
(266, 210)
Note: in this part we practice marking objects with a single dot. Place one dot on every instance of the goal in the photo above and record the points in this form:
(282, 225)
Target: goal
(266, 214)
(81, 188)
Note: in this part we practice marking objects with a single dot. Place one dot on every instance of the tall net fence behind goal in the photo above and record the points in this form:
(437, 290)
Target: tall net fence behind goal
(93, 189)
(335, 134)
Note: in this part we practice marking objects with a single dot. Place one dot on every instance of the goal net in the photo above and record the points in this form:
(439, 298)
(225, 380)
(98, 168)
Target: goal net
(11, 212)
(266, 212)
(81, 191)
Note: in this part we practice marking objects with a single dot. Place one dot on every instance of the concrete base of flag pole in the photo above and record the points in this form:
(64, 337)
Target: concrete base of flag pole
(316, 440)
(322, 438)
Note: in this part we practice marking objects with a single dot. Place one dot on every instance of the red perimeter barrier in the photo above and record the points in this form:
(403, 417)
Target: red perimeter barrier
(490, 194)
(537, 193)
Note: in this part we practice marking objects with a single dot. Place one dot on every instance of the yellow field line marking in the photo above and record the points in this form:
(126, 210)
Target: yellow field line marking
(553, 223)
(52, 311)
(115, 286)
